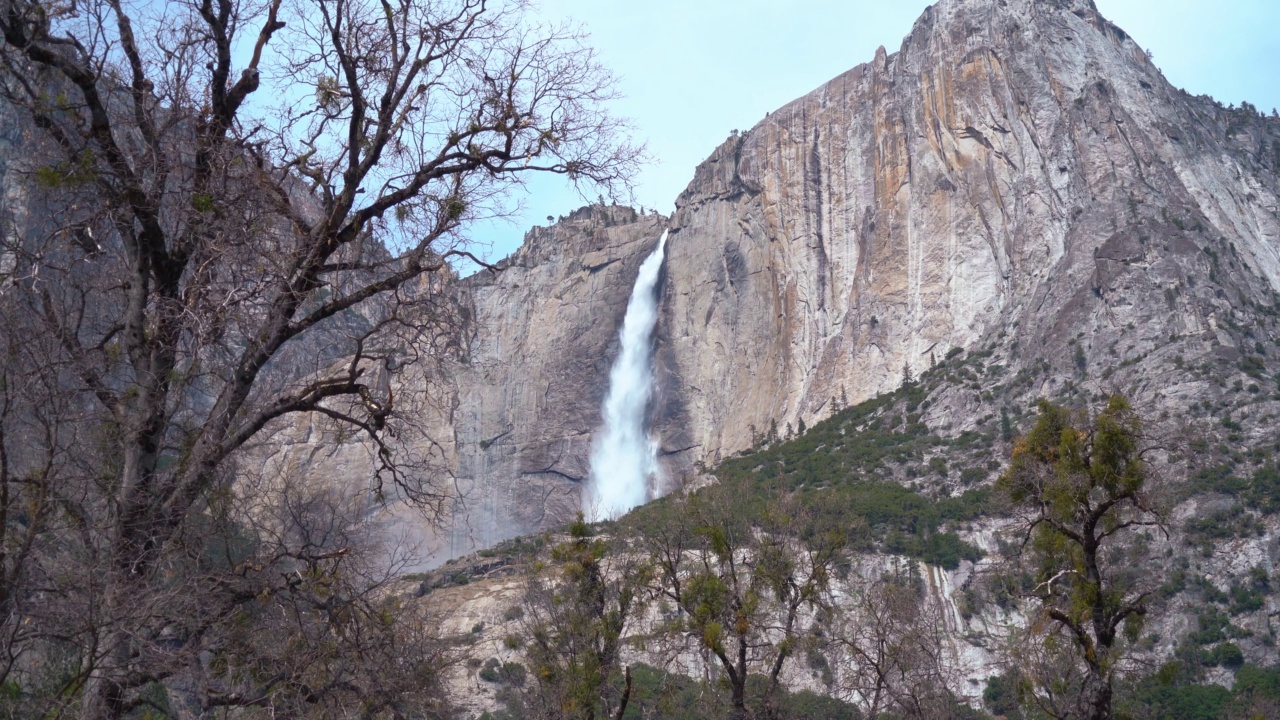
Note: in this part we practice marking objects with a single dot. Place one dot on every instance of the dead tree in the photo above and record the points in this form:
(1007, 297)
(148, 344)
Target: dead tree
(891, 644)
(263, 184)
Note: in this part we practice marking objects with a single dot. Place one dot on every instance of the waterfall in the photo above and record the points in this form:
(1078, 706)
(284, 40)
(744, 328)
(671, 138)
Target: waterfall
(624, 457)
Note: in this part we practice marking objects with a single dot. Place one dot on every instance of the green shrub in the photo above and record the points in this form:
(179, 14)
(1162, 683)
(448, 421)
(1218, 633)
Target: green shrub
(510, 673)
(1001, 696)
(658, 694)
(1253, 366)
(1258, 681)
(1227, 655)
(1191, 702)
(1212, 628)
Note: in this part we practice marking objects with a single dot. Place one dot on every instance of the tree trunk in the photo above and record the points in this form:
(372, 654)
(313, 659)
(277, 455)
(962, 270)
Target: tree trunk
(123, 585)
(739, 711)
(1102, 702)
(739, 680)
(103, 695)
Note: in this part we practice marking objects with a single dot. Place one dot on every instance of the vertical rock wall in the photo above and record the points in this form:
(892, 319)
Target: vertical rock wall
(1018, 176)
(1005, 173)
(529, 396)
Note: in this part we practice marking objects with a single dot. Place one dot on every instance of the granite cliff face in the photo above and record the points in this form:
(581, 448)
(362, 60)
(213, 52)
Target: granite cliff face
(544, 334)
(506, 425)
(1019, 176)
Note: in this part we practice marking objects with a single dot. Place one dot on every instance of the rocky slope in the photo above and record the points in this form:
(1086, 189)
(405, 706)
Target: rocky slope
(1018, 178)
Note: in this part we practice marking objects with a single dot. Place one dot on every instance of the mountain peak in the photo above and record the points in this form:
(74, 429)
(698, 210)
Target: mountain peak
(1018, 175)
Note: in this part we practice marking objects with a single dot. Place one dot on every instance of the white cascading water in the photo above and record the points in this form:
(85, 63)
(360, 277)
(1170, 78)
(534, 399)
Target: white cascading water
(625, 457)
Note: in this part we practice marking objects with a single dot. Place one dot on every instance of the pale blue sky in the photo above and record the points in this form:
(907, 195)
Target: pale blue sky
(692, 70)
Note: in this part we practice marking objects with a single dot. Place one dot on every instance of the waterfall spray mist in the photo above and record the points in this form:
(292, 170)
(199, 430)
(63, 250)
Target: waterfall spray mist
(625, 457)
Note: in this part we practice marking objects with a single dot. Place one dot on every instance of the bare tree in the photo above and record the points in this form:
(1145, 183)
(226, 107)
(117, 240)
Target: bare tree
(749, 595)
(236, 212)
(892, 647)
(277, 595)
(326, 634)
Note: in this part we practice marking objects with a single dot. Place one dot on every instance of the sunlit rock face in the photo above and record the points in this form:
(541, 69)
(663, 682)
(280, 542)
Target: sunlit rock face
(1018, 175)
